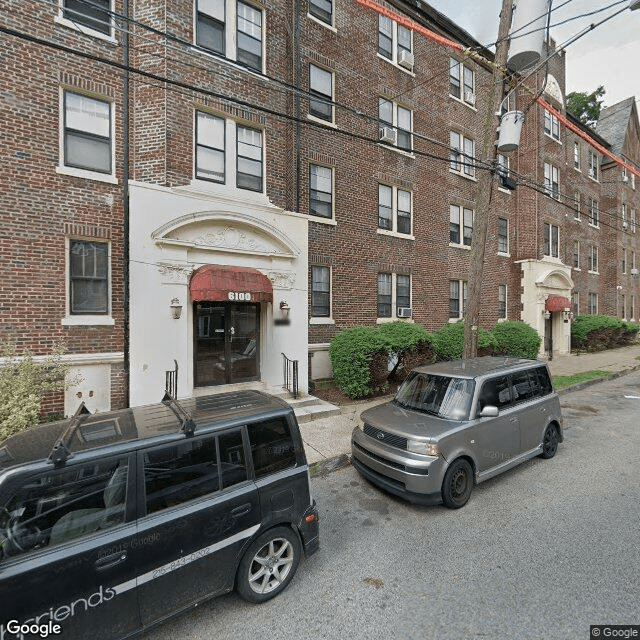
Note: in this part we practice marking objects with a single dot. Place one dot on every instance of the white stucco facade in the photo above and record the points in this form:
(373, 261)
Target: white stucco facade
(174, 232)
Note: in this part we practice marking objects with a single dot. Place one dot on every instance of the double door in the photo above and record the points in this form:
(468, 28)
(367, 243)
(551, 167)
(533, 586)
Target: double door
(227, 342)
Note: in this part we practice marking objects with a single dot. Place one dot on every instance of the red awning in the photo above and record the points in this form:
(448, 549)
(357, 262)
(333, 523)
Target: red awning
(557, 303)
(237, 284)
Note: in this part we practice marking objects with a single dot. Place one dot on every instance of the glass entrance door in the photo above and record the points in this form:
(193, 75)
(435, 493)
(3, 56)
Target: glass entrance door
(226, 342)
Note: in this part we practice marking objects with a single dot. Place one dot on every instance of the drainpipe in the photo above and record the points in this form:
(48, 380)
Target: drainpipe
(125, 200)
(297, 56)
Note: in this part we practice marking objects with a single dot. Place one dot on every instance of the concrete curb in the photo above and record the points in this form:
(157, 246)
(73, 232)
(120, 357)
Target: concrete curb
(325, 467)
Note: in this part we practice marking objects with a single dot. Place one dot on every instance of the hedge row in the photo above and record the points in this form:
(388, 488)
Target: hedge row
(595, 333)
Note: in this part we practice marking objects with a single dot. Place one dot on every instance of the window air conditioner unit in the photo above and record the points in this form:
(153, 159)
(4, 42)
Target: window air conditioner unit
(625, 178)
(634, 272)
(388, 134)
(404, 312)
(470, 97)
(624, 225)
(405, 59)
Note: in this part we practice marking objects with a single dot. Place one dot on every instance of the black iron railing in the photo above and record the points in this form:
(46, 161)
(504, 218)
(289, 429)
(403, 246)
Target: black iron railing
(290, 368)
(171, 381)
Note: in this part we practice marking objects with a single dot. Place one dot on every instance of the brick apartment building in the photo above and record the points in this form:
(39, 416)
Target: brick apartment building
(202, 186)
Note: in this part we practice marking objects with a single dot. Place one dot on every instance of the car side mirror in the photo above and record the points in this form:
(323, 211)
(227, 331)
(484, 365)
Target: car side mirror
(489, 411)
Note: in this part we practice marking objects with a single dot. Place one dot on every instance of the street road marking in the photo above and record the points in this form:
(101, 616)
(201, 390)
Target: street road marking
(634, 397)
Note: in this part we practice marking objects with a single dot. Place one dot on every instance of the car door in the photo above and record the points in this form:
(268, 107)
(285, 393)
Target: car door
(199, 508)
(496, 439)
(67, 550)
(534, 410)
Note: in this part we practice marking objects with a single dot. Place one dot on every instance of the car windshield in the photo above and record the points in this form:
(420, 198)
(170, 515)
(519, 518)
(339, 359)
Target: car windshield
(442, 396)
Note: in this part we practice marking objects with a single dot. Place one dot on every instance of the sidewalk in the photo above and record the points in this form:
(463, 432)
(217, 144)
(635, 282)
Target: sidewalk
(327, 441)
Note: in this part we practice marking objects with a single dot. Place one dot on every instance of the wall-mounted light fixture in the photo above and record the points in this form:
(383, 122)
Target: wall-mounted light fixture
(567, 314)
(285, 308)
(546, 314)
(176, 308)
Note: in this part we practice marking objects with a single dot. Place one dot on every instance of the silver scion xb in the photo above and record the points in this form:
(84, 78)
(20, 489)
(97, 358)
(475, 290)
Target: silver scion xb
(453, 424)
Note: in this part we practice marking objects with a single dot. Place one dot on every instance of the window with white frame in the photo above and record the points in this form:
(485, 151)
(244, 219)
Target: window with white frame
(462, 83)
(633, 260)
(214, 135)
(385, 295)
(623, 262)
(398, 119)
(633, 221)
(624, 216)
(321, 90)
(503, 235)
(575, 303)
(551, 245)
(403, 292)
(576, 205)
(320, 292)
(394, 209)
(594, 212)
(320, 191)
(462, 155)
(457, 299)
(592, 307)
(460, 225)
(552, 180)
(593, 165)
(551, 125)
(623, 305)
(395, 42)
(576, 254)
(215, 33)
(93, 14)
(593, 259)
(88, 137)
(632, 308)
(88, 277)
(322, 10)
(393, 286)
(502, 302)
(503, 170)
(576, 155)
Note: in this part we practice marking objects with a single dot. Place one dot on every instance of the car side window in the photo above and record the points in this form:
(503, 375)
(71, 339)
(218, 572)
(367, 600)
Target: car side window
(233, 466)
(545, 381)
(525, 386)
(495, 392)
(272, 446)
(61, 505)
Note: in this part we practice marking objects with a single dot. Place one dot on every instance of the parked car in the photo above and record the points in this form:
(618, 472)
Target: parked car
(454, 424)
(112, 522)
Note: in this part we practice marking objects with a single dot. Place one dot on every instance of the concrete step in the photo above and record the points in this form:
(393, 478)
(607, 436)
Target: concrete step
(307, 407)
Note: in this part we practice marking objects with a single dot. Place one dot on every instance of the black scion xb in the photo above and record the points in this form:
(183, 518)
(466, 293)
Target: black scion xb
(110, 523)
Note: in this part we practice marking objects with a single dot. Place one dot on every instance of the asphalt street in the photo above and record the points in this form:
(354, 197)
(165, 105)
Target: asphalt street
(540, 552)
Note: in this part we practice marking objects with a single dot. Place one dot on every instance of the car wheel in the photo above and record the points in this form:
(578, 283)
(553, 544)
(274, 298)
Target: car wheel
(268, 565)
(549, 442)
(457, 484)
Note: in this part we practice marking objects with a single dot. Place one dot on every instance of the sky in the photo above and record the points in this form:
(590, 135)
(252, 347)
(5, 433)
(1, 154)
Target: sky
(609, 55)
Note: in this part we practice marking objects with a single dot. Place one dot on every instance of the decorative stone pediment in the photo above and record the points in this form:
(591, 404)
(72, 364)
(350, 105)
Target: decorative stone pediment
(282, 279)
(175, 273)
(552, 90)
(556, 279)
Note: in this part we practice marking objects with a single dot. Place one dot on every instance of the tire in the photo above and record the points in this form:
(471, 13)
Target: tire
(457, 484)
(268, 565)
(549, 442)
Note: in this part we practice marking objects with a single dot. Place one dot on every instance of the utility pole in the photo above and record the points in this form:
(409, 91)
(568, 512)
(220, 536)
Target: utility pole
(486, 184)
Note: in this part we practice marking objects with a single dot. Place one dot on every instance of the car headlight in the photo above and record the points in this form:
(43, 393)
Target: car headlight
(424, 448)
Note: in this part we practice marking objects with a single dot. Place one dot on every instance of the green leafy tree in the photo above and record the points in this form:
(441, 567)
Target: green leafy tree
(586, 106)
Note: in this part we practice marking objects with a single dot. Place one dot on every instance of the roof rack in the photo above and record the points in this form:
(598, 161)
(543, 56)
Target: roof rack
(188, 426)
(60, 452)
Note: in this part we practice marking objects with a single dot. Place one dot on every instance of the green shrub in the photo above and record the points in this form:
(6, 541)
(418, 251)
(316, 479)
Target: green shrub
(352, 352)
(599, 332)
(404, 335)
(449, 341)
(582, 326)
(516, 339)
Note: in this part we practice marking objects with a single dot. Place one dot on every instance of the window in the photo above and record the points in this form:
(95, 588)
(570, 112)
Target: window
(594, 213)
(461, 82)
(576, 205)
(403, 291)
(633, 260)
(245, 45)
(495, 393)
(321, 90)
(322, 9)
(87, 133)
(623, 263)
(457, 299)
(576, 155)
(395, 42)
(272, 446)
(249, 158)
(633, 221)
(94, 15)
(320, 191)
(503, 165)
(88, 277)
(502, 302)
(551, 125)
(503, 235)
(592, 307)
(460, 225)
(65, 504)
(551, 242)
(624, 216)
(593, 259)
(623, 306)
(593, 165)
(525, 386)
(394, 117)
(394, 209)
(320, 292)
(551, 180)
(462, 156)
(210, 139)
(384, 295)
(632, 308)
(575, 303)
(576, 254)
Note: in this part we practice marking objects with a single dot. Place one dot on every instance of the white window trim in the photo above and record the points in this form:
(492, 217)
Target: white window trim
(590, 154)
(461, 162)
(88, 31)
(549, 188)
(579, 167)
(590, 270)
(505, 318)
(77, 172)
(329, 25)
(394, 124)
(508, 252)
(579, 255)
(461, 290)
(461, 209)
(329, 123)
(506, 174)
(82, 320)
(393, 232)
(553, 119)
(320, 320)
(461, 99)
(550, 254)
(394, 306)
(394, 49)
(589, 212)
(311, 216)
